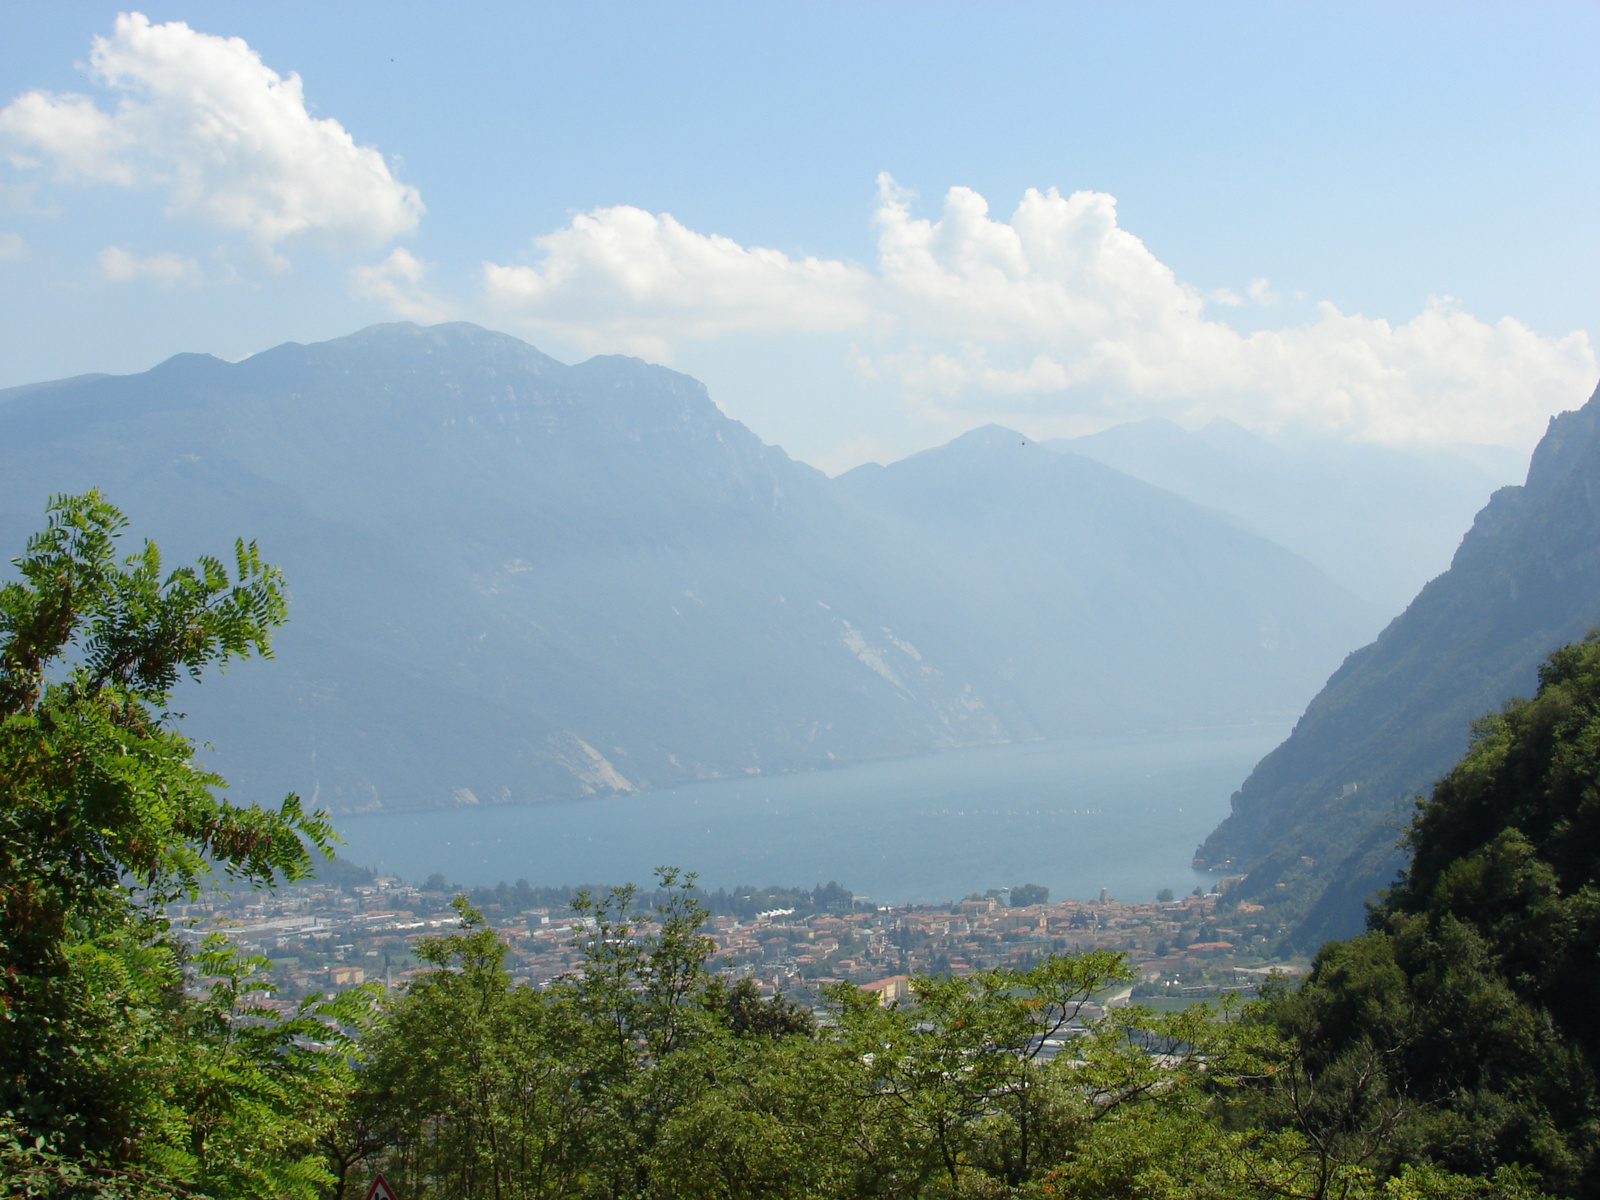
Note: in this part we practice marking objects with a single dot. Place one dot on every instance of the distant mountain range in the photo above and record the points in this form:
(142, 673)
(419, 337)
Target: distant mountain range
(1100, 602)
(1315, 824)
(515, 580)
(1380, 520)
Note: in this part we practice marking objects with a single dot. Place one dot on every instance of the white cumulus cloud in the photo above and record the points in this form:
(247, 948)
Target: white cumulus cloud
(623, 278)
(227, 137)
(1056, 318)
(120, 266)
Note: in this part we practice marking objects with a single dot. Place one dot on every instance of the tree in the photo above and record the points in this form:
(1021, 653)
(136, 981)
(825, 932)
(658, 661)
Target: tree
(745, 1014)
(241, 1099)
(472, 1086)
(481, 1088)
(1029, 893)
(955, 1077)
(105, 817)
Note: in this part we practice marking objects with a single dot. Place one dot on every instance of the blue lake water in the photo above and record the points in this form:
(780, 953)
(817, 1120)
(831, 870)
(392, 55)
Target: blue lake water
(1123, 813)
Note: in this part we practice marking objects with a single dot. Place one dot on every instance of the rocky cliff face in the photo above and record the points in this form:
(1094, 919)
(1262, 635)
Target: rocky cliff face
(1315, 824)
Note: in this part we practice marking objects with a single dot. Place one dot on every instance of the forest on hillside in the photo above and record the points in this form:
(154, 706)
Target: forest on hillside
(1448, 1051)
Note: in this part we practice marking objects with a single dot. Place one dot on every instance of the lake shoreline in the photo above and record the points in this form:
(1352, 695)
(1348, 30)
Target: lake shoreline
(1122, 812)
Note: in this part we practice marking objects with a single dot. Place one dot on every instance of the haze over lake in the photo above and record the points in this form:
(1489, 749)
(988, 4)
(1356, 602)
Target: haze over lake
(1123, 813)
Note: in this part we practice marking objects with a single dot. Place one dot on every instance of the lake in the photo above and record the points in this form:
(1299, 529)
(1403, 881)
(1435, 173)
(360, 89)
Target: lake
(1123, 813)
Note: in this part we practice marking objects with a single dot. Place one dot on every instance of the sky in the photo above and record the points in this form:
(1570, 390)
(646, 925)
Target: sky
(866, 227)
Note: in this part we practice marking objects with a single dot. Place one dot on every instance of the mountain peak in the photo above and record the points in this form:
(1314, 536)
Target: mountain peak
(991, 437)
(1564, 442)
(408, 340)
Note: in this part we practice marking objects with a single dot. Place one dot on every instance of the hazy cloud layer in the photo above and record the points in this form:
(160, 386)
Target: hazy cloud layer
(398, 283)
(119, 266)
(1053, 318)
(228, 138)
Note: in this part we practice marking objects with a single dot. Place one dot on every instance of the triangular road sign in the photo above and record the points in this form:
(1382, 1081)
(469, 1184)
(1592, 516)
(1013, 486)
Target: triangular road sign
(380, 1189)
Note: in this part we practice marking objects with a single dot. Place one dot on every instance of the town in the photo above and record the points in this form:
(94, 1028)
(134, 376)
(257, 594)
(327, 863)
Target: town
(328, 936)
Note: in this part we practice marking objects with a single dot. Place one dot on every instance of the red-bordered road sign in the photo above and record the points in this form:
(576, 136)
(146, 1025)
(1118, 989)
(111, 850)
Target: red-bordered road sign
(380, 1189)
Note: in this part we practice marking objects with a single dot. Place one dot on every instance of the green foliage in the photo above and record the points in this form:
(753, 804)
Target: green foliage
(104, 1062)
(1467, 1010)
(1029, 893)
(639, 1075)
(465, 1078)
(32, 1165)
(482, 1088)
(960, 1064)
(742, 1011)
(236, 1093)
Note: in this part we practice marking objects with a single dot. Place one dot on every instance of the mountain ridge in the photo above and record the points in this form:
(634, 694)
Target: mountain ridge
(1320, 815)
(1379, 520)
(517, 580)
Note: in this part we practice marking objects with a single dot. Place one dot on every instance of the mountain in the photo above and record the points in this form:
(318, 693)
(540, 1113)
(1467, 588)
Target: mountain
(1314, 826)
(1053, 560)
(516, 580)
(1381, 520)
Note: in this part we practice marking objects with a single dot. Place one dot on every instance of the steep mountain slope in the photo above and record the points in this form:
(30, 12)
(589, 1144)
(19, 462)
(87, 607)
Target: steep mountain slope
(1057, 559)
(1381, 520)
(517, 580)
(1319, 815)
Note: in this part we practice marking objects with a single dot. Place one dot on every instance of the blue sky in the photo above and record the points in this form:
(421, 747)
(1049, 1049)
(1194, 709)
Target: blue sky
(1377, 220)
